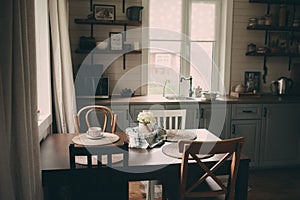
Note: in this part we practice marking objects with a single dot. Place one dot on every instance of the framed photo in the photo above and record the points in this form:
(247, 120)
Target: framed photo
(116, 41)
(279, 41)
(252, 81)
(104, 12)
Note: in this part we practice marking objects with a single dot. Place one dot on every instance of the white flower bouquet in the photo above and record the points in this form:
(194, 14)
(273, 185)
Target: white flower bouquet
(146, 117)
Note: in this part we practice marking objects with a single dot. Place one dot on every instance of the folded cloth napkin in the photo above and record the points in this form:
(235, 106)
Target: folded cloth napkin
(143, 140)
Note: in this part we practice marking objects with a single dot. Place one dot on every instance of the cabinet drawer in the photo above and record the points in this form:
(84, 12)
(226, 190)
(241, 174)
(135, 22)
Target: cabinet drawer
(246, 111)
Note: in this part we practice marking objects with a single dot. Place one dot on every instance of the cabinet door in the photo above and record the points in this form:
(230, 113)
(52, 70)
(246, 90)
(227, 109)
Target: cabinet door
(122, 117)
(280, 142)
(250, 130)
(192, 113)
(216, 119)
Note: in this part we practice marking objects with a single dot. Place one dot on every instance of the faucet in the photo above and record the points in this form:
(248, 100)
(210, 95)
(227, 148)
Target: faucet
(164, 89)
(191, 84)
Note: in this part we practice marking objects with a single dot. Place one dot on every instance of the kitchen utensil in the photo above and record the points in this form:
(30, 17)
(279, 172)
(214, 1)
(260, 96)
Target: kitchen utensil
(282, 86)
(133, 13)
(239, 88)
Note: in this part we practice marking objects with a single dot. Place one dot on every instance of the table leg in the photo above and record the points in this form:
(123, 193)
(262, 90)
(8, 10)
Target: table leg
(241, 188)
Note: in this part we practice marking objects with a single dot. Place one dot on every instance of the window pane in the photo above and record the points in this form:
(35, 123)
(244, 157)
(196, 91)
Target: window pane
(165, 14)
(203, 19)
(201, 64)
(164, 64)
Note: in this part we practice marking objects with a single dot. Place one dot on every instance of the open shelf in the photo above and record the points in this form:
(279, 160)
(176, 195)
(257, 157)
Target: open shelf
(95, 51)
(107, 22)
(296, 2)
(273, 54)
(273, 28)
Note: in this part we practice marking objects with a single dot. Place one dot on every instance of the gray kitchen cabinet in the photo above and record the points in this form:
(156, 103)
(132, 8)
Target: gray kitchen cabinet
(251, 131)
(281, 139)
(216, 118)
(246, 122)
(192, 113)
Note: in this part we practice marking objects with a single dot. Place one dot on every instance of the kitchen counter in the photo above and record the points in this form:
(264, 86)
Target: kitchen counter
(159, 99)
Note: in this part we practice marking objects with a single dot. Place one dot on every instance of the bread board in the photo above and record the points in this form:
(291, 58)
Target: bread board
(244, 95)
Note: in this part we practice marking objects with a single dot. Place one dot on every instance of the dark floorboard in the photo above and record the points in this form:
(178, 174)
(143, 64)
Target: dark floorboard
(269, 184)
(272, 184)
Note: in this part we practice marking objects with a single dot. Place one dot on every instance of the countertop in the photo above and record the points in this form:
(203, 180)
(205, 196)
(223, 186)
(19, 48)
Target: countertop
(155, 99)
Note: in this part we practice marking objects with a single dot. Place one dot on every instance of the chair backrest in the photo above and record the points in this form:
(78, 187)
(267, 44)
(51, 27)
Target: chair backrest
(170, 119)
(99, 180)
(105, 112)
(227, 148)
(105, 154)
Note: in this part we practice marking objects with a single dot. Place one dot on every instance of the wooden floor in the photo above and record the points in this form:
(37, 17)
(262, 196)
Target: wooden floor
(275, 184)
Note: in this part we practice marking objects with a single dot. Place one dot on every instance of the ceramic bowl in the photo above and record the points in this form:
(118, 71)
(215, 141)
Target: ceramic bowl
(210, 96)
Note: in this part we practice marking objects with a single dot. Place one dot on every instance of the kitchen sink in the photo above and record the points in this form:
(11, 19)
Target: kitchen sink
(179, 98)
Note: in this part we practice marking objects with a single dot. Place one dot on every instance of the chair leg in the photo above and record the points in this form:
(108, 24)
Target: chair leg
(163, 193)
(150, 190)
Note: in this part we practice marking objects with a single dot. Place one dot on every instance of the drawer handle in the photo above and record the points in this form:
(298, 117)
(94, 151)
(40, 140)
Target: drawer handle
(247, 111)
(201, 113)
(233, 129)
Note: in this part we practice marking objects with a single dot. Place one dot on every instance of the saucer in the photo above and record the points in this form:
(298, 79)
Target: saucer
(94, 138)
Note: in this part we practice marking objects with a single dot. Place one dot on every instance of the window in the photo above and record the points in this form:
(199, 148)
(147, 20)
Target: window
(43, 67)
(185, 40)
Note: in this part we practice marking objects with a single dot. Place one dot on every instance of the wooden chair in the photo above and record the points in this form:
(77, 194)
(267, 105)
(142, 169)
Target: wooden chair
(105, 179)
(202, 187)
(107, 115)
(169, 120)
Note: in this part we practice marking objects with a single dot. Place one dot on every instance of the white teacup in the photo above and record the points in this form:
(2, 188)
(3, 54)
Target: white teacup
(95, 132)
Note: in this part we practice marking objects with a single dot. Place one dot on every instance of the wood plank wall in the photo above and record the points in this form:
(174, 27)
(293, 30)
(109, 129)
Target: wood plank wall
(80, 9)
(277, 66)
(243, 10)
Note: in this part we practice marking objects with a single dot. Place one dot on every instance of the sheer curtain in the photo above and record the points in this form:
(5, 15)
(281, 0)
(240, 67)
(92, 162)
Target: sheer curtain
(19, 143)
(63, 85)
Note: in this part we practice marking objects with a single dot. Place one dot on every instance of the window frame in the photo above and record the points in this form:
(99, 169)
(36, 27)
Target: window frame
(223, 48)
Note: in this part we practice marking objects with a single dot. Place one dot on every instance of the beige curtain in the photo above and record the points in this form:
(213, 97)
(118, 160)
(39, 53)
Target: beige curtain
(20, 175)
(63, 85)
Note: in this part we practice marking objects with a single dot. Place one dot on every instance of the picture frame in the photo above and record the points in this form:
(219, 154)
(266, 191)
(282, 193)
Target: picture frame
(116, 41)
(279, 41)
(104, 12)
(252, 81)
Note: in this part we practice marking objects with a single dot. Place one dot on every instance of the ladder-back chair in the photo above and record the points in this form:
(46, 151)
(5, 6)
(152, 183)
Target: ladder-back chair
(228, 149)
(105, 179)
(169, 120)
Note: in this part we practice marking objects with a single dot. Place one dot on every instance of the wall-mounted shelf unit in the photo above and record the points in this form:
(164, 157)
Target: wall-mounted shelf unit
(273, 54)
(95, 51)
(92, 22)
(291, 2)
(276, 28)
(273, 28)
(106, 22)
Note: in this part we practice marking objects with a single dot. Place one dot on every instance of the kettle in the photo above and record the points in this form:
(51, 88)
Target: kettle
(282, 86)
(133, 13)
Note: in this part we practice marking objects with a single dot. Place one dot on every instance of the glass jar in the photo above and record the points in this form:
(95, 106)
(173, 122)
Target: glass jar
(268, 20)
(252, 21)
(251, 48)
(261, 21)
(282, 15)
